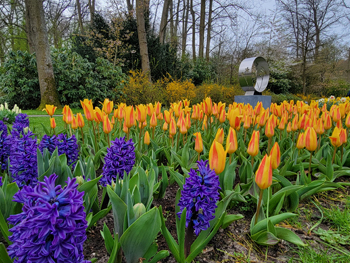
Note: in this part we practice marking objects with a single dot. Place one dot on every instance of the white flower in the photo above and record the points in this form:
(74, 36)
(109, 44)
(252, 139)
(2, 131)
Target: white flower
(6, 106)
(1, 107)
(343, 99)
(332, 97)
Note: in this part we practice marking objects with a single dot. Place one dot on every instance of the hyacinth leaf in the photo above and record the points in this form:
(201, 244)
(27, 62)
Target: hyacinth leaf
(40, 162)
(119, 210)
(47, 132)
(181, 234)
(173, 246)
(10, 206)
(130, 210)
(98, 216)
(231, 218)
(195, 251)
(4, 257)
(136, 195)
(152, 250)
(219, 212)
(140, 235)
(261, 225)
(87, 186)
(159, 256)
(265, 238)
(107, 237)
(290, 236)
(78, 169)
(185, 156)
(144, 186)
(4, 229)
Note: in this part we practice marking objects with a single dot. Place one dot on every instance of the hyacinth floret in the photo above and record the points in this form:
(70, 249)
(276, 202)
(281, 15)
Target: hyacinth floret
(69, 147)
(199, 195)
(0, 181)
(3, 129)
(23, 160)
(5, 146)
(120, 157)
(21, 122)
(50, 143)
(51, 227)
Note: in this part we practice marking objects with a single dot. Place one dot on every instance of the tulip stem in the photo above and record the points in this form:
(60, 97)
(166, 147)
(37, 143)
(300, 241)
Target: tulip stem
(258, 207)
(199, 156)
(82, 134)
(269, 145)
(310, 172)
(139, 146)
(341, 154)
(252, 162)
(335, 151)
(230, 157)
(245, 135)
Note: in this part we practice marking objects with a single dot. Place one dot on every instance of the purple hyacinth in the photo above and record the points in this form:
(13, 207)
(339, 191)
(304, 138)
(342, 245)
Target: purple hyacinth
(5, 149)
(52, 226)
(23, 160)
(120, 157)
(69, 147)
(20, 122)
(199, 195)
(0, 181)
(3, 129)
(50, 143)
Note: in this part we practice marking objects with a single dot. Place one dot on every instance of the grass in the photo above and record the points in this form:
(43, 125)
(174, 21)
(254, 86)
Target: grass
(309, 254)
(57, 112)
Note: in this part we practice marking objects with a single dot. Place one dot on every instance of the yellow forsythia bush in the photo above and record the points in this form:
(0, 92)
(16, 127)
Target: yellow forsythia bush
(217, 93)
(139, 90)
(179, 90)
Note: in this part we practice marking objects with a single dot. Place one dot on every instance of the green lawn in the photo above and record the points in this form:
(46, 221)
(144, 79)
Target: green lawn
(57, 112)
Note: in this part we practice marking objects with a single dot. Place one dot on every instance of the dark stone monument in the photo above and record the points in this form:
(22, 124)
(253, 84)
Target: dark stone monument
(253, 77)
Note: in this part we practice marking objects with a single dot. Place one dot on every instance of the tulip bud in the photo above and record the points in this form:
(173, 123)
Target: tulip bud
(79, 180)
(147, 139)
(343, 136)
(217, 157)
(153, 121)
(172, 128)
(275, 156)
(141, 111)
(222, 118)
(165, 126)
(263, 176)
(253, 146)
(80, 120)
(69, 116)
(347, 120)
(198, 146)
(310, 138)
(231, 141)
(74, 123)
(300, 142)
(220, 136)
(53, 123)
(139, 210)
(107, 106)
(269, 128)
(107, 126)
(335, 138)
(129, 119)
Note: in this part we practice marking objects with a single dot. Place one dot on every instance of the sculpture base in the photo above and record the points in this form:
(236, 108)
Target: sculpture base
(254, 99)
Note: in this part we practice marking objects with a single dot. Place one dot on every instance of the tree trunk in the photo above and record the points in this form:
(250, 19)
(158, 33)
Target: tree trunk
(193, 14)
(184, 27)
(174, 37)
(92, 11)
(201, 30)
(141, 31)
(164, 21)
(209, 29)
(130, 6)
(80, 17)
(171, 19)
(38, 34)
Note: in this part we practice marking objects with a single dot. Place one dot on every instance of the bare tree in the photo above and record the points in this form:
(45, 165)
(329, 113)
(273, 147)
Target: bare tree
(36, 30)
(201, 30)
(164, 21)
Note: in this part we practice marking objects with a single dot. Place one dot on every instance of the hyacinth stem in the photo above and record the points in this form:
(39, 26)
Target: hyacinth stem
(335, 151)
(189, 237)
(258, 207)
(82, 134)
(310, 163)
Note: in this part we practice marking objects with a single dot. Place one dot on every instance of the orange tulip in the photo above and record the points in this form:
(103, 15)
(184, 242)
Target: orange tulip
(343, 136)
(220, 136)
(141, 113)
(235, 119)
(263, 176)
(50, 109)
(222, 118)
(319, 126)
(253, 146)
(183, 128)
(167, 116)
(275, 156)
(165, 126)
(80, 120)
(269, 128)
(172, 129)
(347, 120)
(69, 116)
(150, 109)
(289, 127)
(188, 121)
(231, 141)
(107, 126)
(160, 116)
(129, 119)
(335, 138)
(88, 110)
(217, 157)
(295, 125)
(98, 115)
(198, 146)
(247, 122)
(310, 138)
(300, 142)
(207, 105)
(147, 139)
(153, 121)
(74, 123)
(336, 115)
(107, 106)
(52, 123)
(327, 122)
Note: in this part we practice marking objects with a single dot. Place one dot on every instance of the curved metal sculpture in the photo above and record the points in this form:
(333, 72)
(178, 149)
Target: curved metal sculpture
(253, 81)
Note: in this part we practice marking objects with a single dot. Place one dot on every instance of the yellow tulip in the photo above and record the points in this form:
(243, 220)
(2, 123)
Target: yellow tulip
(253, 146)
(310, 138)
(217, 157)
(50, 109)
(275, 156)
(263, 176)
(147, 139)
(231, 141)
